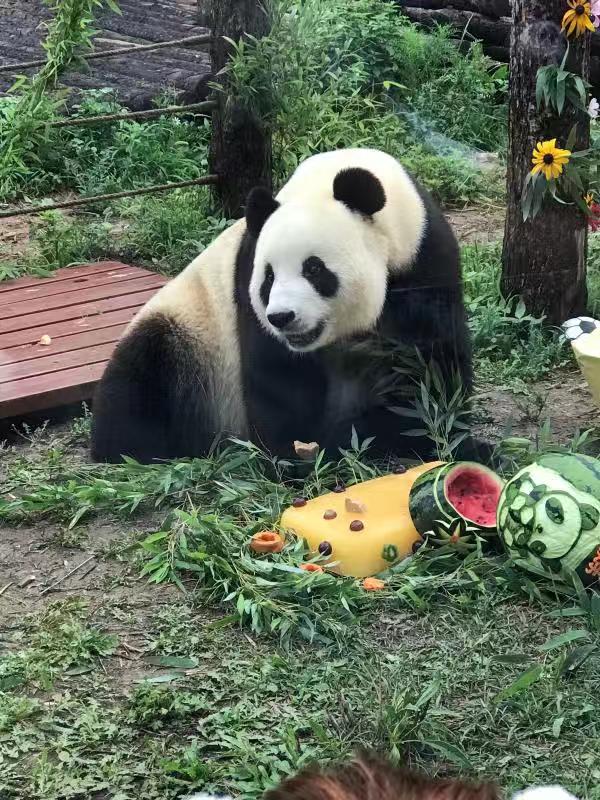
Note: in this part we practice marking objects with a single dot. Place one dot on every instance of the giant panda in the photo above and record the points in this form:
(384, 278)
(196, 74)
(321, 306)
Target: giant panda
(260, 336)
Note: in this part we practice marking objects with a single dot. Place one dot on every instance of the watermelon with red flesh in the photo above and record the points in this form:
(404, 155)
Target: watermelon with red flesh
(464, 490)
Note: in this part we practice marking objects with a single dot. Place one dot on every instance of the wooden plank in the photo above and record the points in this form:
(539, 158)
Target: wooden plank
(84, 310)
(92, 315)
(64, 344)
(75, 284)
(49, 391)
(65, 273)
(56, 362)
(74, 312)
(30, 336)
(44, 304)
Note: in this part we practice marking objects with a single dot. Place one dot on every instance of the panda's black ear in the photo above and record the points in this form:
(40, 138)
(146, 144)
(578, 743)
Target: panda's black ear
(359, 190)
(259, 207)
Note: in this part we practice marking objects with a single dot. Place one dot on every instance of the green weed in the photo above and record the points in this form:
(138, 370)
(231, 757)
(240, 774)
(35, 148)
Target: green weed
(168, 231)
(486, 675)
(511, 347)
(112, 157)
(59, 644)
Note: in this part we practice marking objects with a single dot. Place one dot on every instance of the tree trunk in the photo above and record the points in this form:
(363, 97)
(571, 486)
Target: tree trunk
(543, 259)
(240, 151)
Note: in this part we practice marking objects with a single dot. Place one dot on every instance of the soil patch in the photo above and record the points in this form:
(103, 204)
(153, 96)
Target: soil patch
(478, 225)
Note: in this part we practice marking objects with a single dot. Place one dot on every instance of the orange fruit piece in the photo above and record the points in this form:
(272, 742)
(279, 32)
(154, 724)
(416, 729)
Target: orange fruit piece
(267, 542)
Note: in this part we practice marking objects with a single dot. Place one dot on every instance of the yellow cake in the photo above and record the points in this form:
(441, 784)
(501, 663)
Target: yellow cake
(362, 529)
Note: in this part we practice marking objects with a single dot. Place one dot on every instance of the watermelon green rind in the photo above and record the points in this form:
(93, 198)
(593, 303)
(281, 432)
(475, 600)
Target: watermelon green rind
(581, 471)
(429, 503)
(424, 509)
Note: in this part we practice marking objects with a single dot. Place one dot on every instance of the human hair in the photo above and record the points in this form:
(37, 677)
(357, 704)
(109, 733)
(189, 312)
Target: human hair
(368, 777)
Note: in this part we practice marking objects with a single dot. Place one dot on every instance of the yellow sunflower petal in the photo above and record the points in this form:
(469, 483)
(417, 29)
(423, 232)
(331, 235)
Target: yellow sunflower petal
(589, 24)
(566, 19)
(537, 169)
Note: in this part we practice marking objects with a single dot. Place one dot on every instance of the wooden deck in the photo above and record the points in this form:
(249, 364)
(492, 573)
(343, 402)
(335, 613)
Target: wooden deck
(84, 311)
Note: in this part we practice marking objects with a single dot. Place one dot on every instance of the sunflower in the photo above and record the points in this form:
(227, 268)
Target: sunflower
(549, 159)
(578, 18)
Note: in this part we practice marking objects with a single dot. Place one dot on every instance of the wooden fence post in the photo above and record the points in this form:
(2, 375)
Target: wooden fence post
(544, 259)
(240, 151)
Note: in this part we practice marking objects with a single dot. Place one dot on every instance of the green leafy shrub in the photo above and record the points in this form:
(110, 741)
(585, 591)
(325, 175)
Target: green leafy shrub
(344, 73)
(168, 230)
(510, 345)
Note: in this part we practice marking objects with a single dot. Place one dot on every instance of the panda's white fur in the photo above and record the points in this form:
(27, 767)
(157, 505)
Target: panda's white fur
(200, 300)
(202, 359)
(396, 230)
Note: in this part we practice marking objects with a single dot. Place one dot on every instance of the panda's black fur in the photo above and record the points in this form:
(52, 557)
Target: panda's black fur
(156, 399)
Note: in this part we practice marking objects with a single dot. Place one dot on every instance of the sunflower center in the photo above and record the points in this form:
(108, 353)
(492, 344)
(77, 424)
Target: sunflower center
(548, 158)
(580, 9)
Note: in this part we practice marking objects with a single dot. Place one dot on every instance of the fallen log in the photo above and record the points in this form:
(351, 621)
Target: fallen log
(495, 32)
(490, 8)
(490, 31)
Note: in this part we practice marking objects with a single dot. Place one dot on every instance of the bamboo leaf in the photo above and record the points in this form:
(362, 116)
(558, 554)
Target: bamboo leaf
(562, 639)
(524, 681)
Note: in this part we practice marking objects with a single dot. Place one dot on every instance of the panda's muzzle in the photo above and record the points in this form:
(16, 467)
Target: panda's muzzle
(301, 340)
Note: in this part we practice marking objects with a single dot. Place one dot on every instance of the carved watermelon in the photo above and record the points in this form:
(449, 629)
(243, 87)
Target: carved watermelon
(549, 516)
(463, 490)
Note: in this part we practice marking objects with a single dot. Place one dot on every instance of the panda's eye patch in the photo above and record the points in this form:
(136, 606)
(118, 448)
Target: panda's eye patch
(267, 284)
(322, 279)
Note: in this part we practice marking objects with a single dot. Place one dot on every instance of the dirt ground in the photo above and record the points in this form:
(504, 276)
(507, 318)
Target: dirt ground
(478, 226)
(14, 236)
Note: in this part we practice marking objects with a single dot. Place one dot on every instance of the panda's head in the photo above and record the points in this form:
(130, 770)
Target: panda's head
(320, 267)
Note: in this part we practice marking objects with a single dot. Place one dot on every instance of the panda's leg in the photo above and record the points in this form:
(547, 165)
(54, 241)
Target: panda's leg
(149, 403)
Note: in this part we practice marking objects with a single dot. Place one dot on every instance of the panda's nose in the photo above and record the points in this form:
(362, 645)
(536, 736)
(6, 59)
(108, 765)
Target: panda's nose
(281, 319)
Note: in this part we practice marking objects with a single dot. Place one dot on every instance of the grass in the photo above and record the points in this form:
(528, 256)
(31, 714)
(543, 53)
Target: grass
(461, 666)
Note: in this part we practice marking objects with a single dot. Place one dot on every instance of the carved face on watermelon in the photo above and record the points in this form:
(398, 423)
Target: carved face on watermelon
(549, 515)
